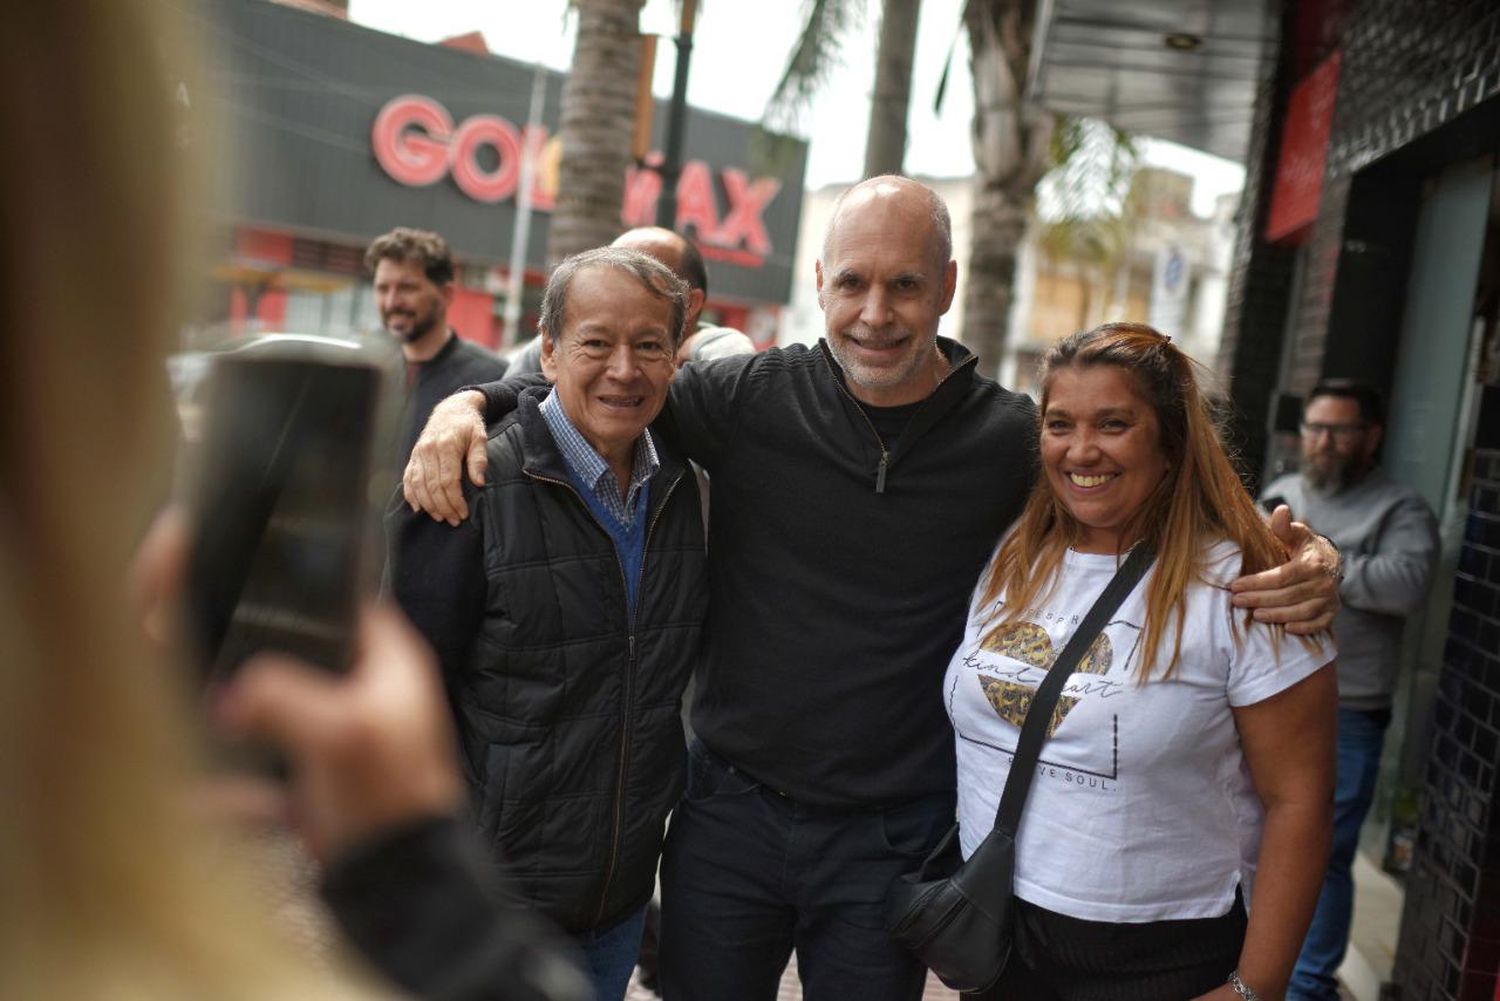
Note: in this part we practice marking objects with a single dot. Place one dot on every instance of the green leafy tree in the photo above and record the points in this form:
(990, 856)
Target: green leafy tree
(1088, 209)
(815, 55)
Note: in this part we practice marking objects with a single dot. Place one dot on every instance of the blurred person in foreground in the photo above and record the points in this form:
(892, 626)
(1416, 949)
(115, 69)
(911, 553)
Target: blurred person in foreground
(859, 487)
(567, 611)
(413, 281)
(1390, 540)
(111, 883)
(700, 341)
(1193, 748)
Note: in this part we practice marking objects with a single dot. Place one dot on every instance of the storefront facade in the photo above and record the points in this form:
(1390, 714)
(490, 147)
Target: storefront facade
(1370, 249)
(340, 133)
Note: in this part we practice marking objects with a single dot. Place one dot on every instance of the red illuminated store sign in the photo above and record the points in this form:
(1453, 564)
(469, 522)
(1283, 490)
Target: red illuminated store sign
(1304, 152)
(417, 143)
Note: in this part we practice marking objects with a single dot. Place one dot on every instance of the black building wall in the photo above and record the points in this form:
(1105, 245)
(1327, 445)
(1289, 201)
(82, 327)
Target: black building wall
(1260, 280)
(1450, 927)
(1412, 90)
(1419, 88)
(1416, 90)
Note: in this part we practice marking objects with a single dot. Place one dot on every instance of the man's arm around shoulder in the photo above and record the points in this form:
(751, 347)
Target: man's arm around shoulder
(452, 442)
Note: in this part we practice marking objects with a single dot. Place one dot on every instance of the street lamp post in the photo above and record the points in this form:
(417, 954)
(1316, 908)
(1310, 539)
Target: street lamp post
(671, 164)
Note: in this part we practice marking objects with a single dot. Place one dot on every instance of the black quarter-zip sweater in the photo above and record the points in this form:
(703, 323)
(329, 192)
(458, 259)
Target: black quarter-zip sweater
(840, 570)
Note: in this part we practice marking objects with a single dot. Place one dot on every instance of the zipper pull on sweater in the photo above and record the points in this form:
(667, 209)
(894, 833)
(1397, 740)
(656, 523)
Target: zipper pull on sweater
(880, 474)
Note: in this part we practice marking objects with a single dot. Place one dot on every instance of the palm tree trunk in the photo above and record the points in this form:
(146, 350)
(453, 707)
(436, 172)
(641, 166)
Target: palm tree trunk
(885, 146)
(1011, 140)
(598, 112)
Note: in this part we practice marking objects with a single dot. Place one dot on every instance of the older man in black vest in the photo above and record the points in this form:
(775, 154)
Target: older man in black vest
(566, 612)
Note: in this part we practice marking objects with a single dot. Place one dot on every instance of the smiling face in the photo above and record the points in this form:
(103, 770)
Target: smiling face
(1101, 451)
(1338, 444)
(412, 307)
(883, 285)
(612, 360)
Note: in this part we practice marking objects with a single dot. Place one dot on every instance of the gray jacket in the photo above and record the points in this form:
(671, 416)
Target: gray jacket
(1388, 538)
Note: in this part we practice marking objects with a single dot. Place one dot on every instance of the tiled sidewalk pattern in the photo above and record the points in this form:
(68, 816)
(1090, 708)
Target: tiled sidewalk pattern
(791, 988)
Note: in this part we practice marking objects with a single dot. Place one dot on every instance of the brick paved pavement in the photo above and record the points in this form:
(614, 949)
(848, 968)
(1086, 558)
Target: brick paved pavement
(290, 883)
(791, 988)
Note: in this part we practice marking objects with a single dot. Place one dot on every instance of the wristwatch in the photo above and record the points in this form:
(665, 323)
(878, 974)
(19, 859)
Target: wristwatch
(1241, 988)
(1336, 572)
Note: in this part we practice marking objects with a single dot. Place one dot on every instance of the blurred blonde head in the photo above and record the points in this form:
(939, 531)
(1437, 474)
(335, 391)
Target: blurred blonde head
(108, 885)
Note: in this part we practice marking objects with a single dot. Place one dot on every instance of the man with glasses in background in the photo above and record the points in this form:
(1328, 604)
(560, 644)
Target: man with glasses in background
(1388, 538)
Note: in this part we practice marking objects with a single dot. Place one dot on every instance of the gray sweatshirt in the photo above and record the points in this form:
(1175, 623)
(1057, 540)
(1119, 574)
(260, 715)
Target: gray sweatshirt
(1388, 538)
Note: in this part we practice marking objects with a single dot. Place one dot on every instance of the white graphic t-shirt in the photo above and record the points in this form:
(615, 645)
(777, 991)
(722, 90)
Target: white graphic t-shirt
(1142, 807)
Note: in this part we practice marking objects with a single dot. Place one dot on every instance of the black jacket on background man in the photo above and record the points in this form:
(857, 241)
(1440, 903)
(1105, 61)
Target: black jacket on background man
(458, 363)
(568, 710)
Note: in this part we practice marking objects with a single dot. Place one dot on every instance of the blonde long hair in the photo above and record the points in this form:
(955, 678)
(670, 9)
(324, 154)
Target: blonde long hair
(1199, 500)
(109, 885)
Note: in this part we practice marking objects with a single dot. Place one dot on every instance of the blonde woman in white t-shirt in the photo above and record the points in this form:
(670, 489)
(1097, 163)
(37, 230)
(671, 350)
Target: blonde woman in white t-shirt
(1192, 749)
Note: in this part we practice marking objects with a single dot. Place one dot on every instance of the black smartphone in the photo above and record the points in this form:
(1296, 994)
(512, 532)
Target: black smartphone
(286, 536)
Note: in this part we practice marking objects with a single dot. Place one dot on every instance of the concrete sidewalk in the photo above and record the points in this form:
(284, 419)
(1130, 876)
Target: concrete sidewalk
(1372, 936)
(1372, 944)
(791, 988)
(290, 882)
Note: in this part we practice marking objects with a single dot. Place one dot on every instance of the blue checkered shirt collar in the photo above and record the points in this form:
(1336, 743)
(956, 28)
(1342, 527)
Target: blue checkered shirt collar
(591, 469)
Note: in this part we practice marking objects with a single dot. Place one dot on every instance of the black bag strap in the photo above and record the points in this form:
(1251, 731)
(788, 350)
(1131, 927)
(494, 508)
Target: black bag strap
(1039, 714)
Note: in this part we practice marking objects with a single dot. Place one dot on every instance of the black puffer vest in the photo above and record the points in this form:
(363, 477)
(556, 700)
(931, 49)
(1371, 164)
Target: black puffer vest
(569, 711)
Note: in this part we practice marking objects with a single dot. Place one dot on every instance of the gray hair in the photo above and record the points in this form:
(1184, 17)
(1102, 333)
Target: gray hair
(937, 213)
(654, 276)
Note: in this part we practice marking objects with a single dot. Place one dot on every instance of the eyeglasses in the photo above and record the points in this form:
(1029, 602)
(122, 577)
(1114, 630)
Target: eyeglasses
(1340, 432)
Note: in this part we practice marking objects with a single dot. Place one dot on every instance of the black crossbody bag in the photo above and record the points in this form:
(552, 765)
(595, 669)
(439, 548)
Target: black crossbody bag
(956, 915)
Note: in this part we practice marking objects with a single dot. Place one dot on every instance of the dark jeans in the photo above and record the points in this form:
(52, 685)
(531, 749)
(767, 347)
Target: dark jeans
(609, 955)
(748, 875)
(1058, 958)
(1361, 735)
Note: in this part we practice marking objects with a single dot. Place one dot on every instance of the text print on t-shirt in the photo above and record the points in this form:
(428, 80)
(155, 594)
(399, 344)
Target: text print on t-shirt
(1009, 666)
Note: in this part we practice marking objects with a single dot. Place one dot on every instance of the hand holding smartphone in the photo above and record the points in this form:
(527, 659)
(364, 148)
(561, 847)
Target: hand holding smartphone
(295, 434)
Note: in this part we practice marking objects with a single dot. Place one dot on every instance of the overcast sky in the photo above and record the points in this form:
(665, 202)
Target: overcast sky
(739, 50)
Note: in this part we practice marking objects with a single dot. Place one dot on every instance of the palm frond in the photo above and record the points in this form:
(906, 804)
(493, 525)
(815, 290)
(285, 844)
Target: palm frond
(813, 60)
(1067, 139)
(1094, 166)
